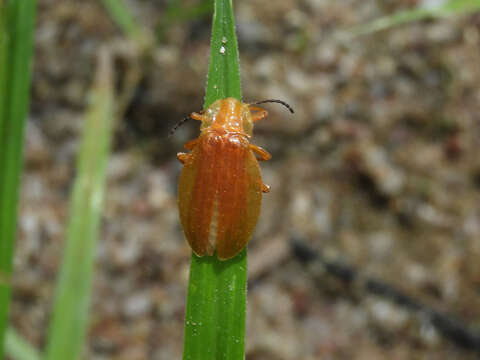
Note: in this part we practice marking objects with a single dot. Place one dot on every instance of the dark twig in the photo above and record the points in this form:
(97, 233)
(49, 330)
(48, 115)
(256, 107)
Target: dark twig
(452, 329)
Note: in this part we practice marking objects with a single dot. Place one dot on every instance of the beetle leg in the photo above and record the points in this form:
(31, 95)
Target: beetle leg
(262, 153)
(190, 144)
(183, 157)
(198, 116)
(265, 188)
(259, 113)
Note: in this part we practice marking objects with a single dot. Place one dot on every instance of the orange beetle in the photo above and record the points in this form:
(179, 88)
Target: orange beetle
(220, 186)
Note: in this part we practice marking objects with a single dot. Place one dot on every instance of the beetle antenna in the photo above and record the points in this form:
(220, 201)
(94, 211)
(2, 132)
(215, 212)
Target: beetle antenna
(177, 125)
(276, 101)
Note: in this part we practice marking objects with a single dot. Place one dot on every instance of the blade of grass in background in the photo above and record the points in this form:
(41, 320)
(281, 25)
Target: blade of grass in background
(123, 18)
(442, 9)
(177, 11)
(215, 314)
(18, 349)
(17, 20)
(70, 311)
(142, 38)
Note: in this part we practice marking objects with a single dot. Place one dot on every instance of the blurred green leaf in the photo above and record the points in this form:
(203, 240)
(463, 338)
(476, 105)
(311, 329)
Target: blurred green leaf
(444, 9)
(215, 314)
(70, 311)
(17, 20)
(19, 349)
(122, 16)
(176, 12)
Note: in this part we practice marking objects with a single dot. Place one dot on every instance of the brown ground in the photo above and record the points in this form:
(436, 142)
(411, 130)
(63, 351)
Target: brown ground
(378, 169)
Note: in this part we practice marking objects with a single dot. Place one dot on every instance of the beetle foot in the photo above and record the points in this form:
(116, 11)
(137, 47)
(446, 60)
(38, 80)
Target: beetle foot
(183, 157)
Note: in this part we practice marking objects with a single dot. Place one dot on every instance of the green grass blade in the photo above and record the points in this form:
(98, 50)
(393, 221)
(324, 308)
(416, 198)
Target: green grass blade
(19, 349)
(460, 6)
(215, 314)
(452, 7)
(17, 20)
(177, 11)
(122, 16)
(224, 69)
(70, 312)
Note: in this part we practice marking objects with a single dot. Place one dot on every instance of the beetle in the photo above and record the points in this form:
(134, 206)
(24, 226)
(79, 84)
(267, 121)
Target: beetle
(220, 186)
